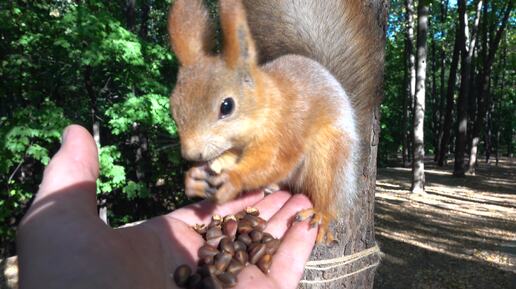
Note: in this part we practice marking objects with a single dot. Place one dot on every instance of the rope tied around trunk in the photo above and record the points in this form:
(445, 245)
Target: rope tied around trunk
(328, 264)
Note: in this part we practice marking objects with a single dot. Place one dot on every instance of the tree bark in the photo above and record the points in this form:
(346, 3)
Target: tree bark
(141, 157)
(355, 230)
(448, 119)
(442, 90)
(144, 29)
(484, 88)
(489, 126)
(130, 14)
(88, 84)
(410, 75)
(418, 159)
(467, 50)
(434, 101)
(361, 53)
(498, 101)
(462, 103)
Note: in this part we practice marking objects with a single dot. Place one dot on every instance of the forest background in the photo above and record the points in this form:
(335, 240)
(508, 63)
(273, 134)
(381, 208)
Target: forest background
(107, 65)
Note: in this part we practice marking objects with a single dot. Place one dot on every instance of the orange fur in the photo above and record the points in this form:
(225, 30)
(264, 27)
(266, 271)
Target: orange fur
(340, 34)
(239, 49)
(191, 33)
(289, 125)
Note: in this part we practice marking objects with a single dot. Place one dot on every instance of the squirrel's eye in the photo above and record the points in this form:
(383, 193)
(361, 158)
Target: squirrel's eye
(226, 108)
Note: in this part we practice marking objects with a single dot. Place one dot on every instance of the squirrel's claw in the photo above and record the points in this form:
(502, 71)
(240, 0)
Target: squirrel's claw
(217, 180)
(271, 189)
(227, 185)
(320, 220)
(196, 184)
(222, 187)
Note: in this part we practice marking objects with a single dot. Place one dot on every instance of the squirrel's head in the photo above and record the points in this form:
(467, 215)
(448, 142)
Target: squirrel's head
(214, 101)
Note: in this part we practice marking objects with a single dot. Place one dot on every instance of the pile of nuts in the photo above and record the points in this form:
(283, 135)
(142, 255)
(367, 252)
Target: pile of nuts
(232, 243)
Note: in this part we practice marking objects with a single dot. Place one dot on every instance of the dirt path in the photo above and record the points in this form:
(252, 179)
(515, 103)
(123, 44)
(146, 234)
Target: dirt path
(461, 234)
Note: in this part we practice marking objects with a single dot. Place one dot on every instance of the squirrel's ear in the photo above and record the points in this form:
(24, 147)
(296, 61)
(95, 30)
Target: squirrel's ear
(190, 30)
(239, 48)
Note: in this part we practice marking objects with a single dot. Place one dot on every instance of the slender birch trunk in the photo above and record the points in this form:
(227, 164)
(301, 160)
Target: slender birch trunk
(418, 165)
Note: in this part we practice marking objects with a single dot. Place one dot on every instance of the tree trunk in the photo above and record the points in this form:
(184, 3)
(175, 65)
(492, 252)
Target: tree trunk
(88, 84)
(130, 14)
(462, 102)
(448, 119)
(144, 29)
(405, 109)
(434, 101)
(489, 127)
(363, 55)
(484, 88)
(499, 99)
(355, 230)
(462, 106)
(418, 159)
(410, 75)
(141, 157)
(497, 147)
(442, 90)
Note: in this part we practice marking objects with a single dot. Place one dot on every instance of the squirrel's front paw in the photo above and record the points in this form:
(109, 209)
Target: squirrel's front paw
(196, 183)
(228, 186)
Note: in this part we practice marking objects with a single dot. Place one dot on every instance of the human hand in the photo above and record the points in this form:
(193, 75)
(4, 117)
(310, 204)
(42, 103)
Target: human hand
(63, 244)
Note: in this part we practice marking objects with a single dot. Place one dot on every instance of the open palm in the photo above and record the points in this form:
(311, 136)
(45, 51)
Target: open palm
(63, 244)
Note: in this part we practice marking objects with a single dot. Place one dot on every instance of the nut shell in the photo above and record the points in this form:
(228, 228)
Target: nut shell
(265, 263)
(272, 246)
(244, 238)
(222, 261)
(194, 281)
(207, 251)
(227, 279)
(182, 274)
(256, 236)
(242, 257)
(235, 267)
(226, 245)
(256, 253)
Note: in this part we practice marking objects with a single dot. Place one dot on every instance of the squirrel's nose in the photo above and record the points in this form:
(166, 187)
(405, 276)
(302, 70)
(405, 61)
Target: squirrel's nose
(191, 151)
(191, 155)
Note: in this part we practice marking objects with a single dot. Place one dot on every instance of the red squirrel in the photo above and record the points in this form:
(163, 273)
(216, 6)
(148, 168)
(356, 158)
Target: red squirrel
(283, 116)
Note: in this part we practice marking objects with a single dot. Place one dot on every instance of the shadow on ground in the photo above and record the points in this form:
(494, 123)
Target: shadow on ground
(461, 234)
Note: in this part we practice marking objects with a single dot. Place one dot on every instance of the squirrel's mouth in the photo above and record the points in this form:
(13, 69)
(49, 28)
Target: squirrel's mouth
(211, 156)
(223, 161)
(213, 159)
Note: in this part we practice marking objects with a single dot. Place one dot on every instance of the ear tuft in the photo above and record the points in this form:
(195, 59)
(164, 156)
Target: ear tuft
(239, 48)
(190, 30)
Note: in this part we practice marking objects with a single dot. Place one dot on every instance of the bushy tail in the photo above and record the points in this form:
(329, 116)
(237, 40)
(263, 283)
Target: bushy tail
(339, 34)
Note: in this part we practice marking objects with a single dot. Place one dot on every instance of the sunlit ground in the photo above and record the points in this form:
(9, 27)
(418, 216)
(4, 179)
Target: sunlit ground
(461, 234)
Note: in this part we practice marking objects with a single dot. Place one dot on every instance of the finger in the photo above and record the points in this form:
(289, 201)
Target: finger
(281, 221)
(272, 203)
(201, 212)
(292, 255)
(74, 168)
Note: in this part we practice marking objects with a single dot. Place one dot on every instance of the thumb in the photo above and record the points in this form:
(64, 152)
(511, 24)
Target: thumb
(74, 168)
